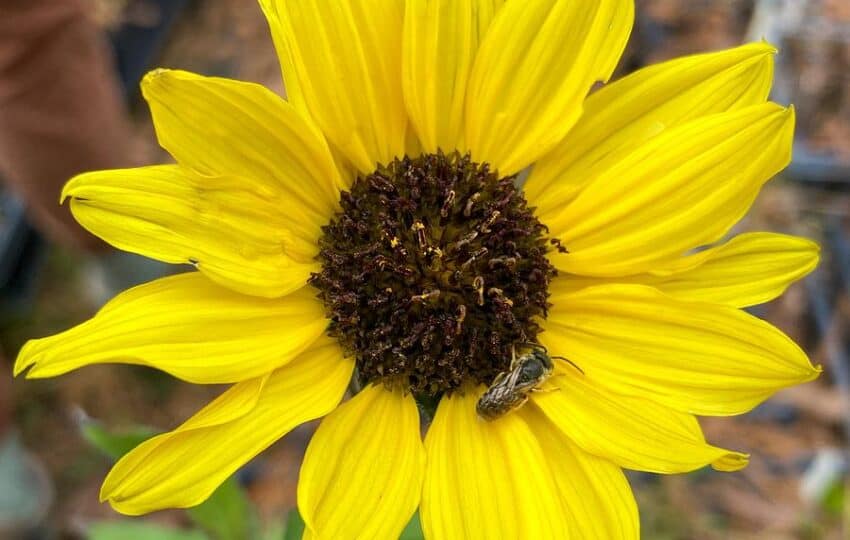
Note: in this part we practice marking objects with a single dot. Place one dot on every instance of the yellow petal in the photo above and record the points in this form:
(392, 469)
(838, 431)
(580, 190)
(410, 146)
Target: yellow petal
(624, 114)
(595, 493)
(692, 356)
(534, 68)
(486, 479)
(222, 127)
(362, 475)
(183, 467)
(187, 326)
(682, 189)
(441, 38)
(285, 52)
(241, 234)
(633, 432)
(341, 62)
(749, 269)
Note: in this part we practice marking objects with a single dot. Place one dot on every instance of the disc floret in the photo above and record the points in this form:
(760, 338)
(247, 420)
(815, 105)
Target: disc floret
(432, 270)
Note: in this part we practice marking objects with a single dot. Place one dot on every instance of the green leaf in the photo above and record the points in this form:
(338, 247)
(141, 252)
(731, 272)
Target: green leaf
(274, 531)
(833, 500)
(114, 445)
(413, 531)
(227, 514)
(139, 530)
(294, 526)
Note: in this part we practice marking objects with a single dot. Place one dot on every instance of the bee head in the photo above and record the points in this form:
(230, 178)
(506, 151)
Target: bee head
(534, 369)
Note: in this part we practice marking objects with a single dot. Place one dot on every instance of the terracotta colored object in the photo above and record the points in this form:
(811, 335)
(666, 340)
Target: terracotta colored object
(61, 110)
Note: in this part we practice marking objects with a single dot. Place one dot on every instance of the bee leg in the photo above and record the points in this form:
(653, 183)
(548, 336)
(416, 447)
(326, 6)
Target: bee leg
(546, 388)
(514, 359)
(535, 346)
(518, 404)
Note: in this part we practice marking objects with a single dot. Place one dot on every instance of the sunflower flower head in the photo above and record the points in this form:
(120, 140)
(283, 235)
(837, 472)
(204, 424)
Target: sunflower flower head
(372, 228)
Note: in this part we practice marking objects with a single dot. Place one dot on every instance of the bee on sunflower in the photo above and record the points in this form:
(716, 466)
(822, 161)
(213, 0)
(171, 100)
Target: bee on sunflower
(371, 226)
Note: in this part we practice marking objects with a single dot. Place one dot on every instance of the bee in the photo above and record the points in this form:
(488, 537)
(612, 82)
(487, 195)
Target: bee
(509, 390)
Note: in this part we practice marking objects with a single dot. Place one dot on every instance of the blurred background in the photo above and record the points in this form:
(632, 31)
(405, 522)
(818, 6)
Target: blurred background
(60, 432)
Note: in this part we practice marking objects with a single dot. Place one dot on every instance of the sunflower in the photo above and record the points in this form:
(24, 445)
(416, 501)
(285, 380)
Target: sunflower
(370, 232)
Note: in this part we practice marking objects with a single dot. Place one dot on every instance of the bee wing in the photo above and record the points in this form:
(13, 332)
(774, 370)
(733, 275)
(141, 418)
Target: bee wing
(511, 380)
(499, 378)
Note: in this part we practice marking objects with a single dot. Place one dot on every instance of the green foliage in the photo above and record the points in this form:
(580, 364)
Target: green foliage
(114, 445)
(227, 514)
(294, 526)
(413, 531)
(139, 530)
(833, 500)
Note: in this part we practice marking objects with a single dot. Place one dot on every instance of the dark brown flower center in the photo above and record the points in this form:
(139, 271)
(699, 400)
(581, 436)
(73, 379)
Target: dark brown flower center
(431, 271)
